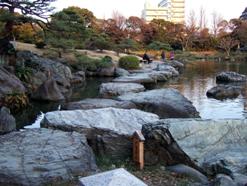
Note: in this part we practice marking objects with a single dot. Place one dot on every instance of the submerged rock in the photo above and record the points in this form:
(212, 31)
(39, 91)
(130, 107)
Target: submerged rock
(167, 103)
(108, 130)
(108, 90)
(117, 177)
(224, 91)
(42, 157)
(230, 77)
(7, 121)
(97, 103)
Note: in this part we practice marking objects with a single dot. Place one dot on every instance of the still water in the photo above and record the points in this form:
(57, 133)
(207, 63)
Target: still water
(197, 78)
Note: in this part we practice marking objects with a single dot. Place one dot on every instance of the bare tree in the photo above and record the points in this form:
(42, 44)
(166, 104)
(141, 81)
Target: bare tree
(202, 19)
(120, 20)
(216, 20)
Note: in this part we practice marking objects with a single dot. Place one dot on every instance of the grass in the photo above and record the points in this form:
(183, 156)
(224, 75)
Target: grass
(151, 175)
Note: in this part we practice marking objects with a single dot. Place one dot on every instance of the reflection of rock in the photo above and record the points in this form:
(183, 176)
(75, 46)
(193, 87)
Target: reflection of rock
(42, 157)
(108, 90)
(167, 103)
(48, 91)
(230, 77)
(7, 121)
(97, 103)
(108, 130)
(219, 145)
(117, 177)
(224, 91)
(10, 84)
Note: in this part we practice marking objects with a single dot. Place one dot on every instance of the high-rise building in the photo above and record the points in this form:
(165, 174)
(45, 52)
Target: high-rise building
(169, 10)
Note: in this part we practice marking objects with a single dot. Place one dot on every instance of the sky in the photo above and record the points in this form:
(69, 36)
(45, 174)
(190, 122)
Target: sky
(103, 8)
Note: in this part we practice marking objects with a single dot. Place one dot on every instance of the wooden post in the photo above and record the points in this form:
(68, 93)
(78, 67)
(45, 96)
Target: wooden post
(138, 149)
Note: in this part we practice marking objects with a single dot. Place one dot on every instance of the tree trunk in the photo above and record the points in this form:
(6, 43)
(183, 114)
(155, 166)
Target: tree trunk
(8, 32)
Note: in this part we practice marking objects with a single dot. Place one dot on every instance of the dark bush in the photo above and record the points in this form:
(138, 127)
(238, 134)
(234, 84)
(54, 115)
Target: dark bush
(129, 62)
(40, 44)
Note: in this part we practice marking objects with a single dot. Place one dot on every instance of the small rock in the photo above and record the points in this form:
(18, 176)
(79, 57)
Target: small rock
(121, 72)
(7, 121)
(118, 177)
(230, 77)
(224, 91)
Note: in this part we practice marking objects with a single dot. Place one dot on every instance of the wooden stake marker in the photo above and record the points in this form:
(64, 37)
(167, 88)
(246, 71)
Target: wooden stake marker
(138, 149)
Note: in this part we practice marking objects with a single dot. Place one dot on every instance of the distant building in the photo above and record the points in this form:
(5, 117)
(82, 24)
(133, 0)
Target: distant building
(169, 10)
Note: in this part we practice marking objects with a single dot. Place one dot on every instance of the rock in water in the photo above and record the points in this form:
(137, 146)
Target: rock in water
(97, 103)
(7, 121)
(41, 157)
(108, 90)
(167, 103)
(121, 72)
(230, 77)
(10, 84)
(108, 130)
(224, 91)
(117, 177)
(48, 91)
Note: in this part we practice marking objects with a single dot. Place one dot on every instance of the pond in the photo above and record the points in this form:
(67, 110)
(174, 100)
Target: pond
(197, 78)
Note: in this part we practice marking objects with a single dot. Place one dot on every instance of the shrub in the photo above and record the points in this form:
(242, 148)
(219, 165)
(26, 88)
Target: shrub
(86, 63)
(23, 73)
(129, 62)
(40, 44)
(16, 101)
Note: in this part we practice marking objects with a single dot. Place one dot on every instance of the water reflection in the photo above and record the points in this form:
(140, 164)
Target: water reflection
(199, 77)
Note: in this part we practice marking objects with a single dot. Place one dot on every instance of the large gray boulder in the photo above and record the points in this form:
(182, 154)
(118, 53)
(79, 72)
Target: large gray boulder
(117, 177)
(97, 103)
(228, 77)
(161, 147)
(42, 157)
(57, 69)
(48, 91)
(108, 130)
(224, 92)
(216, 144)
(51, 68)
(7, 121)
(108, 90)
(9, 84)
(167, 103)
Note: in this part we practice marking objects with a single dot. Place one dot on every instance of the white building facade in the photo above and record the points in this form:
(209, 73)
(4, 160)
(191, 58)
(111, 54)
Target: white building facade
(169, 10)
